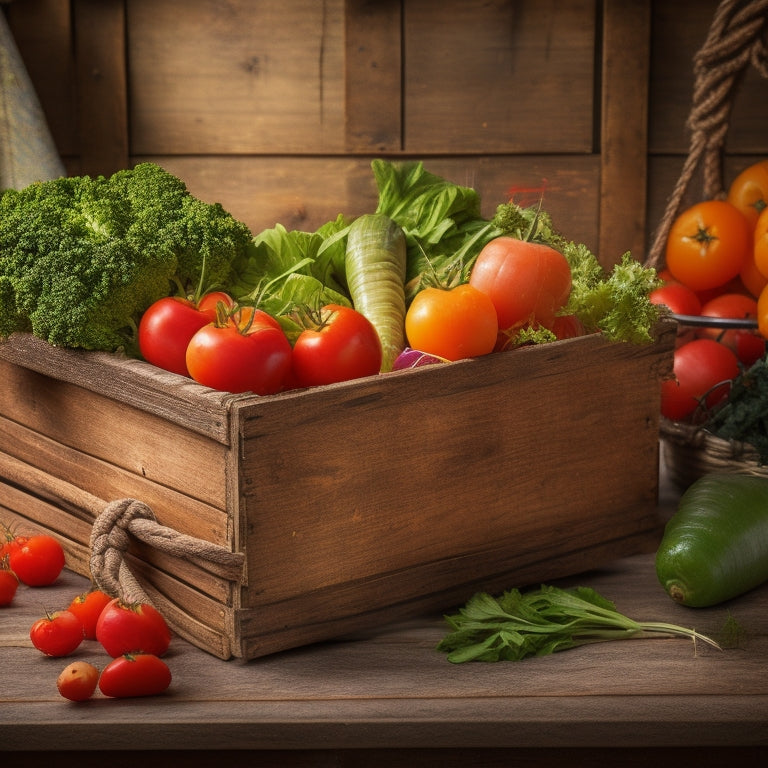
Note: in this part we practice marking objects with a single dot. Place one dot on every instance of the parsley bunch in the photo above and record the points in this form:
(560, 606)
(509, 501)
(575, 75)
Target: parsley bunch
(517, 625)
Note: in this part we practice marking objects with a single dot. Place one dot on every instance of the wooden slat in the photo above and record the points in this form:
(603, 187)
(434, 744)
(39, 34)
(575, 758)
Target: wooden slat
(102, 86)
(262, 191)
(373, 76)
(499, 77)
(115, 433)
(236, 78)
(624, 142)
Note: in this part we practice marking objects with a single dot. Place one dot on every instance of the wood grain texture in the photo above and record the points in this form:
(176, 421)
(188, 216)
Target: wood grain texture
(389, 689)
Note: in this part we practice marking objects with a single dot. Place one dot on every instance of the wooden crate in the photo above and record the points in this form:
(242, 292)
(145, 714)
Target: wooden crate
(354, 504)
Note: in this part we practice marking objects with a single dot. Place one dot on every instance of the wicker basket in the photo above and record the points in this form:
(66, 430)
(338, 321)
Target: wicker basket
(689, 451)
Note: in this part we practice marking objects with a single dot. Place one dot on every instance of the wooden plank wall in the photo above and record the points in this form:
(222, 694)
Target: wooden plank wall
(275, 107)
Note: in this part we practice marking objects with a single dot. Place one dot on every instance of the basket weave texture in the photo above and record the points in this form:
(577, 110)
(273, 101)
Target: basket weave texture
(690, 452)
(736, 39)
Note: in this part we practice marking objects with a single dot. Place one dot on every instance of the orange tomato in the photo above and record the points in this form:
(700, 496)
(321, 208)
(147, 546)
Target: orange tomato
(762, 313)
(760, 248)
(708, 244)
(749, 191)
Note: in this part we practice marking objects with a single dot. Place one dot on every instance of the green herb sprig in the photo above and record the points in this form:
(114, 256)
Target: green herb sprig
(517, 625)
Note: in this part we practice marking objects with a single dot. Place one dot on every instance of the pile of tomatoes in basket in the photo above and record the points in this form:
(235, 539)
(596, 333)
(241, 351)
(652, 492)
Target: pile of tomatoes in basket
(717, 267)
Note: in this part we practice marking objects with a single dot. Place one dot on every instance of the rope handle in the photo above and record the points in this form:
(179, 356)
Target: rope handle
(110, 537)
(735, 39)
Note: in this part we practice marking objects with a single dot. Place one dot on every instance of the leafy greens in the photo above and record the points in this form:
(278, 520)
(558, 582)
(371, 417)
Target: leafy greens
(517, 625)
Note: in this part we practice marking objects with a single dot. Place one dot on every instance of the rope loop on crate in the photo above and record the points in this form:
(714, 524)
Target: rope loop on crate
(110, 539)
(736, 38)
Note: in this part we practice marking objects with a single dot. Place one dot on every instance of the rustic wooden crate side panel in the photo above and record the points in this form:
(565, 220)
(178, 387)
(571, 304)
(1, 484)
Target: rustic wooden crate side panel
(262, 191)
(356, 607)
(111, 431)
(499, 76)
(236, 78)
(409, 461)
(84, 484)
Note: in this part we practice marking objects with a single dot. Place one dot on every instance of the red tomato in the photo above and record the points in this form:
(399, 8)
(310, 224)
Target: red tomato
(249, 319)
(132, 627)
(749, 191)
(223, 358)
(88, 607)
(748, 345)
(10, 543)
(678, 298)
(37, 561)
(567, 327)
(341, 344)
(453, 324)
(78, 681)
(9, 583)
(57, 634)
(708, 244)
(209, 304)
(136, 674)
(165, 331)
(703, 370)
(528, 283)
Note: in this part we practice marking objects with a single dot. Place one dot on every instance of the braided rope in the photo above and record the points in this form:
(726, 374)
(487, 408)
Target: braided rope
(735, 39)
(110, 539)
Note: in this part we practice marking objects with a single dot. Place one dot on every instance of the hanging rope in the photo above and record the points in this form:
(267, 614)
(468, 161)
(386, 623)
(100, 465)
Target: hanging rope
(735, 39)
(110, 538)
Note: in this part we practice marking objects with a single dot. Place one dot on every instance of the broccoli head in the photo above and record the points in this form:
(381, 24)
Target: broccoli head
(82, 257)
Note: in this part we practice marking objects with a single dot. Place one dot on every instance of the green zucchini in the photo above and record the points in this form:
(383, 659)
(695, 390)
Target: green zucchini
(375, 270)
(715, 546)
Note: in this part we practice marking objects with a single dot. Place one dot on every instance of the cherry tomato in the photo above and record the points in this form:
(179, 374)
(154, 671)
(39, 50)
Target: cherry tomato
(88, 607)
(703, 370)
(135, 674)
(57, 634)
(226, 359)
(748, 345)
(749, 191)
(453, 324)
(11, 542)
(678, 298)
(339, 345)
(77, 681)
(708, 244)
(528, 283)
(38, 560)
(9, 583)
(132, 627)
(165, 330)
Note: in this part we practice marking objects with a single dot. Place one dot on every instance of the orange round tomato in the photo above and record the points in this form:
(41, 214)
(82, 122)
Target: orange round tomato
(747, 344)
(760, 246)
(528, 283)
(708, 244)
(751, 277)
(453, 324)
(762, 313)
(749, 191)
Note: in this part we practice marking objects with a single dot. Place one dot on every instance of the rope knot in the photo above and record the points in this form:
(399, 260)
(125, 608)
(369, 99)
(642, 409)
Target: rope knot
(111, 538)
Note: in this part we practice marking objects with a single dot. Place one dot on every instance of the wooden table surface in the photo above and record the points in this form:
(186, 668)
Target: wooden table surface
(389, 698)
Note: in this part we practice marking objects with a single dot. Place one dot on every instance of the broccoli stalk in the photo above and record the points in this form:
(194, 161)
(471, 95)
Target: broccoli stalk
(82, 257)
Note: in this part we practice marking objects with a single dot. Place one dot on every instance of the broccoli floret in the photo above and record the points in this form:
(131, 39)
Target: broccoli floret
(82, 257)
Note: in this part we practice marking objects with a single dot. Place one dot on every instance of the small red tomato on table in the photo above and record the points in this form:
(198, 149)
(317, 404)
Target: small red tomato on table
(57, 634)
